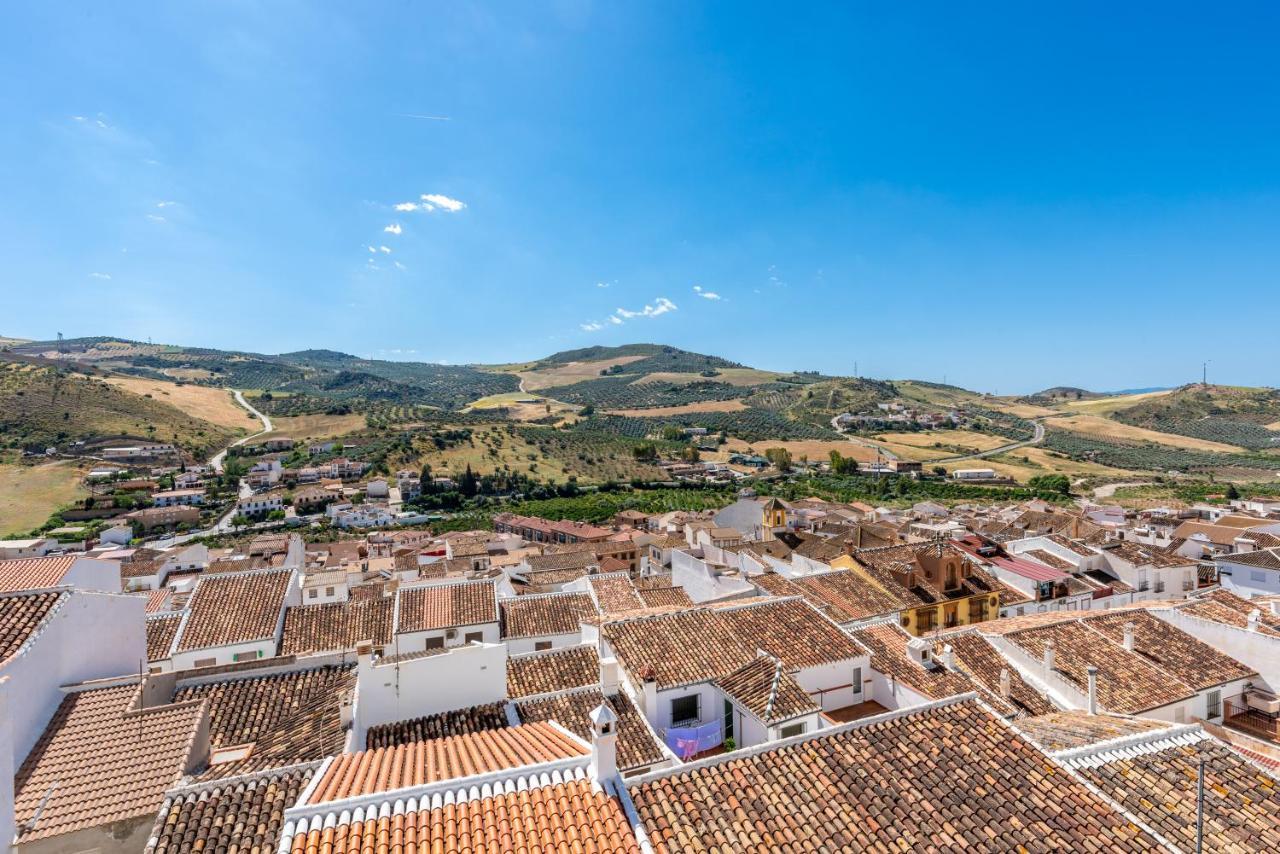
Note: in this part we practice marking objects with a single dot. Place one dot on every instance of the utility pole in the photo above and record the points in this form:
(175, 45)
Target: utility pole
(1204, 372)
(855, 370)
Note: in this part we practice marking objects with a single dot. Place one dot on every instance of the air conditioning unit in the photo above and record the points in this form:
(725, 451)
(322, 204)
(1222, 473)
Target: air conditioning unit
(451, 634)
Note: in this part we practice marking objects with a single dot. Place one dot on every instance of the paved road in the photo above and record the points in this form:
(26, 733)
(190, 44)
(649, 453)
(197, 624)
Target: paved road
(865, 443)
(1003, 449)
(216, 460)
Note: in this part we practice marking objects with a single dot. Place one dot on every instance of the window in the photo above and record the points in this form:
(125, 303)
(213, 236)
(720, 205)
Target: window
(311, 594)
(791, 729)
(206, 662)
(473, 637)
(539, 646)
(435, 643)
(1213, 704)
(245, 656)
(328, 591)
(1257, 575)
(857, 680)
(685, 710)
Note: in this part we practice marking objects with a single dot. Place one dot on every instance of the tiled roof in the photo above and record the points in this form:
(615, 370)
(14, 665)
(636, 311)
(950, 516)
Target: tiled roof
(98, 763)
(443, 606)
(337, 626)
(702, 644)
(157, 600)
(636, 745)
(548, 614)
(557, 670)
(228, 609)
(244, 814)
(615, 593)
(535, 815)
(1172, 650)
(1070, 545)
(766, 690)
(21, 616)
(34, 573)
(288, 717)
(161, 631)
(846, 596)
(982, 663)
(1140, 555)
(576, 560)
(889, 657)
(1222, 606)
(664, 597)
(1071, 729)
(421, 762)
(1127, 682)
(1262, 559)
(1049, 559)
(441, 725)
(1156, 779)
(948, 777)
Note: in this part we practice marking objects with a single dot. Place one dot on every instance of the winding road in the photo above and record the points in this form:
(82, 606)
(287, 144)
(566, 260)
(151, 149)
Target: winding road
(216, 460)
(1003, 449)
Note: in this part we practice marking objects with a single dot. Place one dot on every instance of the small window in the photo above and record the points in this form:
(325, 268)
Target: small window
(791, 729)
(857, 680)
(539, 646)
(206, 662)
(328, 591)
(435, 643)
(1213, 704)
(245, 656)
(473, 637)
(684, 710)
(311, 594)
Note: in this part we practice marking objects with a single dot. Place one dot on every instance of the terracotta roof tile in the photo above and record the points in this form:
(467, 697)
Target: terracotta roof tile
(161, 630)
(228, 609)
(21, 616)
(442, 725)
(665, 597)
(98, 762)
(337, 626)
(545, 614)
(1067, 730)
(1172, 650)
(443, 606)
(615, 593)
(636, 745)
(465, 755)
(765, 689)
(557, 670)
(34, 573)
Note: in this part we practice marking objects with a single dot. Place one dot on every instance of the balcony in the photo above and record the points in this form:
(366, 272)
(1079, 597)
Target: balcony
(1239, 713)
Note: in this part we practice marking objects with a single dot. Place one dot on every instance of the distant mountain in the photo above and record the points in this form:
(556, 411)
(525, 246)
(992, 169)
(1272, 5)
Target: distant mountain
(1128, 391)
(1062, 393)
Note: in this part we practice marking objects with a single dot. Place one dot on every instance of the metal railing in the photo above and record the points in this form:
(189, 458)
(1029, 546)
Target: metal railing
(1237, 713)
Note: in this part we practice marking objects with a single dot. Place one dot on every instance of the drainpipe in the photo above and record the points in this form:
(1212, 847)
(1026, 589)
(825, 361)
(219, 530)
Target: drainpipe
(1093, 689)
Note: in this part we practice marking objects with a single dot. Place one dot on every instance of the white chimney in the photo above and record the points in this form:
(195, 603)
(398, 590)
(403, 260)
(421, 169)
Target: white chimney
(609, 678)
(649, 683)
(1254, 616)
(1004, 682)
(1275, 607)
(604, 743)
(1128, 636)
(948, 657)
(1048, 658)
(1093, 689)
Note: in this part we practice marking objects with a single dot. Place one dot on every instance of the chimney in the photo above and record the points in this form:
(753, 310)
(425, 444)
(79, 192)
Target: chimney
(604, 743)
(1004, 682)
(609, 676)
(649, 681)
(1093, 689)
(1048, 658)
(1275, 607)
(948, 657)
(1128, 636)
(1254, 617)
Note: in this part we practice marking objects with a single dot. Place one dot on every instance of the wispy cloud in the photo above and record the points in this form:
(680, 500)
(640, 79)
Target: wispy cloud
(615, 320)
(394, 228)
(385, 250)
(711, 295)
(593, 326)
(425, 118)
(165, 204)
(660, 306)
(156, 218)
(407, 207)
(443, 202)
(99, 121)
(106, 276)
(602, 284)
(400, 266)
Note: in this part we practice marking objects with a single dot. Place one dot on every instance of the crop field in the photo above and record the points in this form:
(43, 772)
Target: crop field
(743, 377)
(1106, 405)
(1232, 431)
(315, 427)
(509, 402)
(1105, 428)
(570, 372)
(1159, 458)
(735, 405)
(1022, 410)
(214, 405)
(752, 425)
(947, 442)
(30, 493)
(620, 392)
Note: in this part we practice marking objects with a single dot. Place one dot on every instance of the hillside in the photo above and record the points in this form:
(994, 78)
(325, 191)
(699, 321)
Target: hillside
(42, 405)
(1246, 417)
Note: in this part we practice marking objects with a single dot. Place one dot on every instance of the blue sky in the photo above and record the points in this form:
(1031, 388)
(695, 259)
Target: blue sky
(1009, 195)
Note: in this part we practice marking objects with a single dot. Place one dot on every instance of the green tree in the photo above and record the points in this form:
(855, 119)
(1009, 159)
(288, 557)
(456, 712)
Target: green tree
(1051, 483)
(690, 454)
(780, 457)
(1232, 492)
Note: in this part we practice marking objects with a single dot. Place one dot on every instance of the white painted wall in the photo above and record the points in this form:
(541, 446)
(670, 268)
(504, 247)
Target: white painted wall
(89, 636)
(465, 676)
(839, 676)
(1247, 581)
(221, 655)
(404, 642)
(519, 646)
(1254, 649)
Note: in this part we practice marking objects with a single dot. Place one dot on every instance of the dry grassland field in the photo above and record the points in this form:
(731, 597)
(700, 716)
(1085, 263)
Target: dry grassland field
(684, 409)
(571, 372)
(28, 494)
(522, 411)
(215, 405)
(1104, 405)
(1022, 410)
(1038, 461)
(949, 442)
(815, 449)
(1092, 425)
(303, 427)
(729, 376)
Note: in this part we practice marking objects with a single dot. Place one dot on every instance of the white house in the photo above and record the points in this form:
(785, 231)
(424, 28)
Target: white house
(439, 616)
(255, 505)
(1255, 573)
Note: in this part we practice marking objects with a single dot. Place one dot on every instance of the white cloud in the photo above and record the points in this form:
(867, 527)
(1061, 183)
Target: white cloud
(593, 326)
(660, 306)
(443, 202)
(100, 276)
(400, 266)
(711, 295)
(165, 204)
(408, 207)
(156, 218)
(616, 321)
(372, 249)
(385, 250)
(394, 228)
(602, 284)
